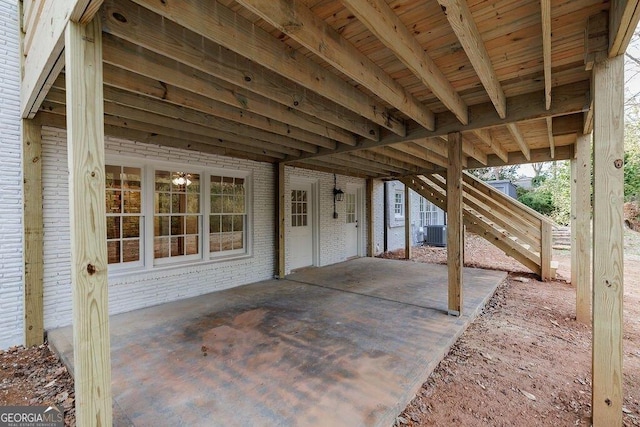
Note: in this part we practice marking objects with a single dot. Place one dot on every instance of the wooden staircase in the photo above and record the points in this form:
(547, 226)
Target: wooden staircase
(518, 230)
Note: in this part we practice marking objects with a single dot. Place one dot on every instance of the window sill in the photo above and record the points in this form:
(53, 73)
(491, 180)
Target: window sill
(127, 272)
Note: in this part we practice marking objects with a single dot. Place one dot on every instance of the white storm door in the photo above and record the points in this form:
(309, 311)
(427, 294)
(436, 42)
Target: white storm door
(351, 218)
(301, 218)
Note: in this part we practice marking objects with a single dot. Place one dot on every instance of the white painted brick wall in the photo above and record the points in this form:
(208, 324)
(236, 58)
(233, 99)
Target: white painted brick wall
(143, 289)
(11, 264)
(332, 230)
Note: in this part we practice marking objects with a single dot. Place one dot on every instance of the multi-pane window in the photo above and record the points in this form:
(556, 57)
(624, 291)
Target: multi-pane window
(124, 214)
(228, 216)
(177, 215)
(428, 213)
(350, 199)
(299, 208)
(398, 203)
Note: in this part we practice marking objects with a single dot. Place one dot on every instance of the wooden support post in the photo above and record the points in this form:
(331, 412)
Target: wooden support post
(280, 219)
(581, 227)
(546, 250)
(33, 233)
(608, 154)
(455, 234)
(407, 222)
(85, 142)
(370, 209)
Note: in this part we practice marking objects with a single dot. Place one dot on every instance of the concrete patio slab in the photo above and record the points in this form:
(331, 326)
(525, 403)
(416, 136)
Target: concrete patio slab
(344, 345)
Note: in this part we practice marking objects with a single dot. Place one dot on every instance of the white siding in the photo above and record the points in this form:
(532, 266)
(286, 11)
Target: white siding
(142, 289)
(11, 262)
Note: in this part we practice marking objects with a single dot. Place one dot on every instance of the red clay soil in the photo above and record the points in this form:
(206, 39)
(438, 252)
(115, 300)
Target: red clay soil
(524, 362)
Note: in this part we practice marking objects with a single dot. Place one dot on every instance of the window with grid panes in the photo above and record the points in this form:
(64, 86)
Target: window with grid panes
(124, 215)
(350, 205)
(228, 216)
(177, 216)
(428, 213)
(299, 208)
(398, 203)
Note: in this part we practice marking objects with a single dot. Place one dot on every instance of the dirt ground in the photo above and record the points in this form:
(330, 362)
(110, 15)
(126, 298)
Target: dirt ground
(525, 361)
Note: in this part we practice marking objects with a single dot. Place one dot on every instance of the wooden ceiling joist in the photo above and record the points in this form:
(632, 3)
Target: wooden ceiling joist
(117, 78)
(568, 99)
(203, 145)
(485, 136)
(380, 19)
(210, 78)
(396, 154)
(300, 23)
(545, 9)
(212, 21)
(463, 24)
(517, 136)
(552, 144)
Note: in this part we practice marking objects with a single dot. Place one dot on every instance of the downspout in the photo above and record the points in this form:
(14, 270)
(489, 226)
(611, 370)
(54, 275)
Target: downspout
(386, 216)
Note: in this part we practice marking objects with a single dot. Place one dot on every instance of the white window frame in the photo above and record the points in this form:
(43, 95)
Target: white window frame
(428, 209)
(398, 203)
(132, 265)
(148, 262)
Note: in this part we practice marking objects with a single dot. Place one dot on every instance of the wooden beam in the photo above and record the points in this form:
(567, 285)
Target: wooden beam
(300, 23)
(175, 139)
(455, 230)
(552, 141)
(85, 140)
(127, 117)
(568, 99)
(116, 78)
(84, 10)
(385, 160)
(407, 222)
(623, 20)
(588, 120)
(581, 227)
(421, 153)
(563, 152)
(137, 107)
(485, 136)
(608, 178)
(545, 7)
(596, 38)
(43, 63)
(395, 154)
(380, 19)
(170, 72)
(517, 135)
(221, 25)
(33, 233)
(462, 23)
(280, 219)
(471, 150)
(371, 252)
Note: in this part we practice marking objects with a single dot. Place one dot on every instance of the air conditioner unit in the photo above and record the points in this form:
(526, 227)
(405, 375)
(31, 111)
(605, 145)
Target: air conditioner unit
(435, 235)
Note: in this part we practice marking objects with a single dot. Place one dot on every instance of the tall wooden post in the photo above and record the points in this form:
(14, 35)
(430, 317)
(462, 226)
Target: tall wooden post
(407, 222)
(608, 148)
(370, 209)
(455, 235)
(581, 227)
(280, 220)
(33, 233)
(85, 144)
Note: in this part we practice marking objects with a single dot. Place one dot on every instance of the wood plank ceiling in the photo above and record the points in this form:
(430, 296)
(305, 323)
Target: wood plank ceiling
(367, 88)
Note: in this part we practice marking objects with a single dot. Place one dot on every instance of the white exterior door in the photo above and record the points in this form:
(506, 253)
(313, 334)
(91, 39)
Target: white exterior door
(352, 219)
(301, 218)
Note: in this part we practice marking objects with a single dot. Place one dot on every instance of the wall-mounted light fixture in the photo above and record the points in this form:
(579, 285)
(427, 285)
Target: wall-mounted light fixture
(338, 196)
